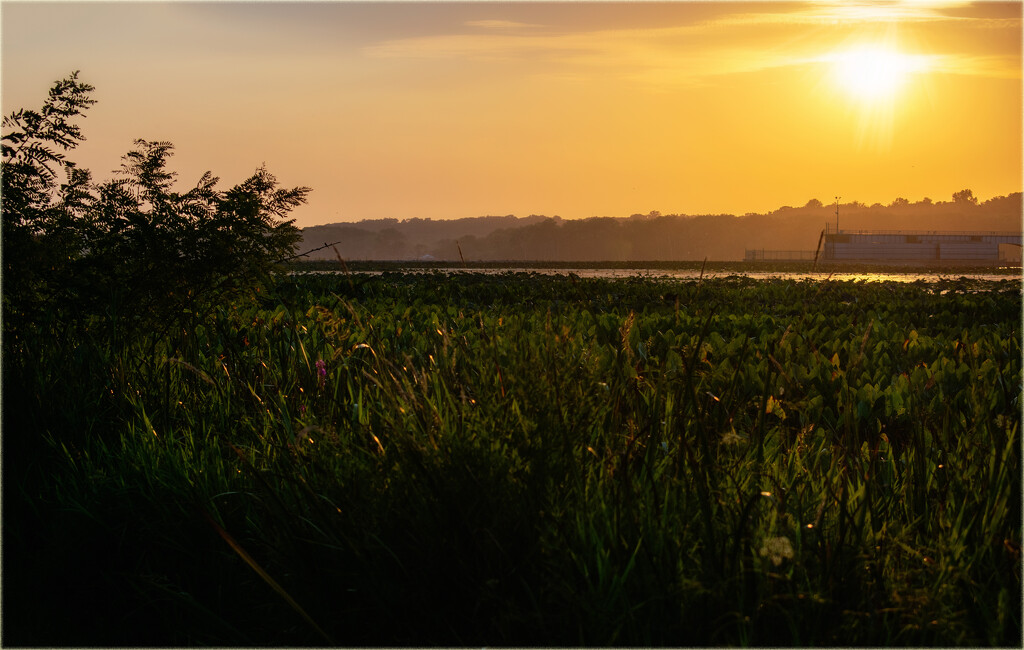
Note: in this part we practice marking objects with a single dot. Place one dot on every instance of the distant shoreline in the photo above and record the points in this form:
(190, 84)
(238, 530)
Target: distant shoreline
(655, 265)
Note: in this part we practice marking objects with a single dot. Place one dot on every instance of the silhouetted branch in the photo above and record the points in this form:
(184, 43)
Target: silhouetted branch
(286, 259)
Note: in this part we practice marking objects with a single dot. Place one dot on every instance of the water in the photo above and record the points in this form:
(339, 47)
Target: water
(694, 274)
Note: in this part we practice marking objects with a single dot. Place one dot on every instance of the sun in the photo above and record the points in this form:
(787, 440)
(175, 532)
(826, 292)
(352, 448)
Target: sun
(880, 84)
(873, 73)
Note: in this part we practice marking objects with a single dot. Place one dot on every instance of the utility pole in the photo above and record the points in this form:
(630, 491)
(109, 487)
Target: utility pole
(837, 214)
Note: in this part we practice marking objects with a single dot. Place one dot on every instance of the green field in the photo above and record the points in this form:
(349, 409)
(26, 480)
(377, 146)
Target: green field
(520, 459)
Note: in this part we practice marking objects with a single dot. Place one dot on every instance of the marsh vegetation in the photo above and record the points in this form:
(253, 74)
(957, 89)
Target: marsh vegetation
(469, 459)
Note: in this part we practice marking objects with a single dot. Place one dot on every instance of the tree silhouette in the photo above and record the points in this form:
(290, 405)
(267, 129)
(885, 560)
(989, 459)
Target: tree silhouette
(159, 252)
(131, 252)
(39, 212)
(965, 197)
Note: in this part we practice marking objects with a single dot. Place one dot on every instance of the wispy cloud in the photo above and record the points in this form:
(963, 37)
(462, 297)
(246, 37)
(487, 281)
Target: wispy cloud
(499, 24)
(831, 13)
(474, 46)
(1001, 66)
(691, 53)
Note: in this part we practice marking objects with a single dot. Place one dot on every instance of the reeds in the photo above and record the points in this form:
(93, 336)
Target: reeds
(479, 460)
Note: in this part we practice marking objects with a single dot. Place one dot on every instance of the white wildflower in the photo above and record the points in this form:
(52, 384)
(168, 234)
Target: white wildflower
(731, 438)
(777, 549)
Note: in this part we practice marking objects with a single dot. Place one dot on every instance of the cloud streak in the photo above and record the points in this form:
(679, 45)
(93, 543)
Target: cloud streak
(693, 53)
(832, 13)
(499, 24)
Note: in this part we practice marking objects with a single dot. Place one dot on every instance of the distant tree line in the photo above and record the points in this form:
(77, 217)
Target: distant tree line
(650, 236)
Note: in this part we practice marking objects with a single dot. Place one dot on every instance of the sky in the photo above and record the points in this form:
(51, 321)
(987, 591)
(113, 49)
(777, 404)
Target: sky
(463, 109)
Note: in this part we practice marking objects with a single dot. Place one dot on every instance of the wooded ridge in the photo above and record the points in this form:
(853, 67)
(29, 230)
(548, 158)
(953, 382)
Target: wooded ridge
(651, 236)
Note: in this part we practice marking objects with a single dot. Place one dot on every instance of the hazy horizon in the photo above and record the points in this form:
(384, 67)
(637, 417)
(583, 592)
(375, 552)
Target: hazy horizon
(455, 110)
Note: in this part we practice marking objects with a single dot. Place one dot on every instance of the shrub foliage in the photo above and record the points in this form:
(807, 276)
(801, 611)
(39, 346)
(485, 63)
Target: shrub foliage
(133, 251)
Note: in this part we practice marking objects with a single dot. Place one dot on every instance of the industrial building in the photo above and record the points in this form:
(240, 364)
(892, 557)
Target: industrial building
(919, 247)
(904, 247)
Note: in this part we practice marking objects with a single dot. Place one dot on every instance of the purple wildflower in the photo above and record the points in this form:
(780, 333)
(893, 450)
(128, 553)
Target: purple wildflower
(321, 370)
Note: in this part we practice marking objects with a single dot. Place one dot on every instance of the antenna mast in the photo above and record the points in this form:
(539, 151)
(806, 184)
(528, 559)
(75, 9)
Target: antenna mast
(837, 214)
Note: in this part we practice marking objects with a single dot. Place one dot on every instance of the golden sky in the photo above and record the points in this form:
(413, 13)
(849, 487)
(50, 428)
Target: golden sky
(445, 110)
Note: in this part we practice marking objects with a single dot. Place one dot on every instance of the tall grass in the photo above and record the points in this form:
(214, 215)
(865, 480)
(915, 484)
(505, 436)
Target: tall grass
(471, 460)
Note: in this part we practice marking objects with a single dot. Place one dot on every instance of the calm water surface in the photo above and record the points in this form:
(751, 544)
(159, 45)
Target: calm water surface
(692, 274)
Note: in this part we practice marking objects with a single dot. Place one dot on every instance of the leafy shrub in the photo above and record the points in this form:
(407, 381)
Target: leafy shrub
(131, 252)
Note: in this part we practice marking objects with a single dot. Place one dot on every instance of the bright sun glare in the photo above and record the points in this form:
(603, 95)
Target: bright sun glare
(871, 73)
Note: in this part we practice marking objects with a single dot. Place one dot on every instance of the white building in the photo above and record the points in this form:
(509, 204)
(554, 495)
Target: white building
(918, 247)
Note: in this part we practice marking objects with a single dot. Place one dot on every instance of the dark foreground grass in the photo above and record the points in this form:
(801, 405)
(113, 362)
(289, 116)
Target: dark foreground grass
(522, 460)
